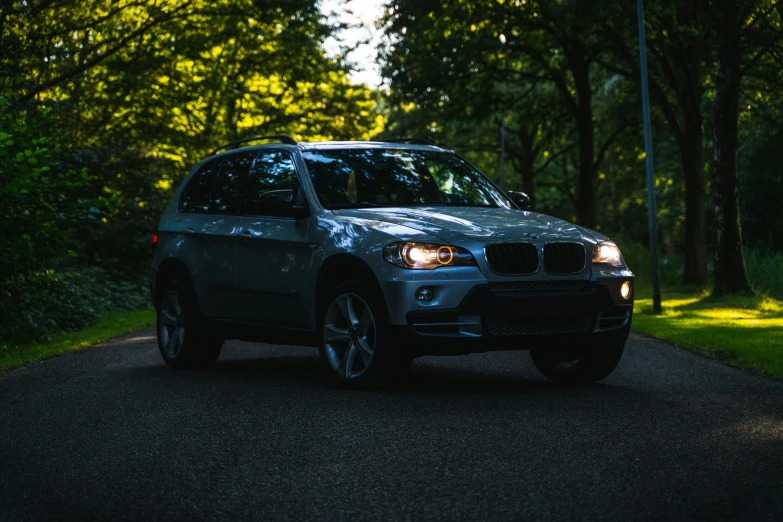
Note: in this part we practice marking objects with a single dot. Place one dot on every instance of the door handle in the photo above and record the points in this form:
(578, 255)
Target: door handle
(245, 234)
(189, 230)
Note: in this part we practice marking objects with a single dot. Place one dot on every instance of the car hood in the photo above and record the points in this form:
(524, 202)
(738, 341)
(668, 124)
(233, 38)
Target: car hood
(457, 224)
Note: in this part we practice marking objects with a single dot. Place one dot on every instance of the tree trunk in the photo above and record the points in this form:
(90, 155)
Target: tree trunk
(585, 195)
(689, 86)
(692, 158)
(729, 261)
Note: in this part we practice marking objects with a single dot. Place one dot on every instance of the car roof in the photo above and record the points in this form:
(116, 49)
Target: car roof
(306, 146)
(315, 145)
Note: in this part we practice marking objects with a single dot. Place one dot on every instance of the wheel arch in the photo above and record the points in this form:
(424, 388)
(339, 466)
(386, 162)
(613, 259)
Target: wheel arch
(170, 268)
(343, 267)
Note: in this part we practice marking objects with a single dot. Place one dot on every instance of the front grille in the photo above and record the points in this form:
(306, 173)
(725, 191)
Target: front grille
(564, 258)
(504, 326)
(512, 258)
(538, 286)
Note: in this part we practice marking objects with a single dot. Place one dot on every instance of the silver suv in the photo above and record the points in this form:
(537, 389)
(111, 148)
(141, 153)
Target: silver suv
(377, 253)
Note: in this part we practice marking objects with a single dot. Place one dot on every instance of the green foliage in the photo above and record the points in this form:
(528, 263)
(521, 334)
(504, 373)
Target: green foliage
(765, 271)
(460, 70)
(37, 196)
(111, 103)
(39, 305)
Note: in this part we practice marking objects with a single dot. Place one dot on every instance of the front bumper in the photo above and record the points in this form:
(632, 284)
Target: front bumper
(494, 316)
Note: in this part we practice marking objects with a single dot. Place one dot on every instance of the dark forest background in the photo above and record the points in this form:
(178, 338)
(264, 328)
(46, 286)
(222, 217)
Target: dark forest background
(104, 106)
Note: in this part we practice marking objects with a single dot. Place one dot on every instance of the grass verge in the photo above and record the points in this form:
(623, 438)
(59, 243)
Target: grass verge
(109, 326)
(741, 331)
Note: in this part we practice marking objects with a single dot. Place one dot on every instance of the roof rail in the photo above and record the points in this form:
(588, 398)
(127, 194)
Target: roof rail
(282, 138)
(420, 141)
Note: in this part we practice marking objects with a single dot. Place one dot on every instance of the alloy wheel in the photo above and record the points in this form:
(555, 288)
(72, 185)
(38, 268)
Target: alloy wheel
(349, 335)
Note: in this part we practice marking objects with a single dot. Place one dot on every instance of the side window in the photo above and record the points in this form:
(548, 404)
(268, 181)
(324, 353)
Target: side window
(195, 197)
(272, 182)
(229, 191)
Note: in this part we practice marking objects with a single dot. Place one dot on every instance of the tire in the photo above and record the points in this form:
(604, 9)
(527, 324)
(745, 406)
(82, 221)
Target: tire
(362, 354)
(578, 366)
(182, 341)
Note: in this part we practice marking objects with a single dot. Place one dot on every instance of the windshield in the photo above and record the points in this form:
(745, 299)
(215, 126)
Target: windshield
(356, 178)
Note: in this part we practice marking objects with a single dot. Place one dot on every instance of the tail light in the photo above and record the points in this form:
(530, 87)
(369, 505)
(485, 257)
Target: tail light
(154, 239)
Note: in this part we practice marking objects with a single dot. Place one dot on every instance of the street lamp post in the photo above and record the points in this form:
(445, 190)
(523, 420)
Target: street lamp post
(648, 156)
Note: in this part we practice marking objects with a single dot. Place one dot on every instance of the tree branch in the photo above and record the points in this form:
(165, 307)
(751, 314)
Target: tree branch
(613, 136)
(762, 52)
(553, 157)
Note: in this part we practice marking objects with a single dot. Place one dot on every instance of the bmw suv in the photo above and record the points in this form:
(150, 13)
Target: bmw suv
(377, 253)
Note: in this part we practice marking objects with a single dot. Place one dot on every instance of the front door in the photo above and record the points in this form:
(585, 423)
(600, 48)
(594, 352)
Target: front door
(272, 252)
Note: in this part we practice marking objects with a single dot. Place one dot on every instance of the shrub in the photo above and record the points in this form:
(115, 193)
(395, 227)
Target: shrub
(765, 270)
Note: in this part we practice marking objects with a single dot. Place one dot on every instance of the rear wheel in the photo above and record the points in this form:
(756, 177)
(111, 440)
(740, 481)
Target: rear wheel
(578, 365)
(356, 345)
(182, 341)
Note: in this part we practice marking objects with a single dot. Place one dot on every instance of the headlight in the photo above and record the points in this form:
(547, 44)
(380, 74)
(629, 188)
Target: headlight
(426, 256)
(609, 254)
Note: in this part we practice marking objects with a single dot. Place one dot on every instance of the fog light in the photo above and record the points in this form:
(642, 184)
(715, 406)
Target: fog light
(625, 290)
(424, 295)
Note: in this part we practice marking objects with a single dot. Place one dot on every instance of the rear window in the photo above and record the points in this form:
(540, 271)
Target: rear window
(230, 189)
(195, 198)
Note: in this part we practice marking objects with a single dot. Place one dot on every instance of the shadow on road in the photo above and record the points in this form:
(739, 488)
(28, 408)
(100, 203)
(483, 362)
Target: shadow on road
(424, 378)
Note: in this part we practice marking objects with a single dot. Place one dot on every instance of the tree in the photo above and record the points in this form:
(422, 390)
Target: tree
(675, 45)
(729, 261)
(137, 91)
(439, 52)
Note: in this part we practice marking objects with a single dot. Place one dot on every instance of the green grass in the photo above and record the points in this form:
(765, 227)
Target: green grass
(741, 331)
(109, 326)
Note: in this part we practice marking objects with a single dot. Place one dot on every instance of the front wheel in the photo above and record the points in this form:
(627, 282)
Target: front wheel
(578, 365)
(356, 344)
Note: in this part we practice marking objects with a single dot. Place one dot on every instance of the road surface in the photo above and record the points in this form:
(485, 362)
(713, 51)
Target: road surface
(111, 433)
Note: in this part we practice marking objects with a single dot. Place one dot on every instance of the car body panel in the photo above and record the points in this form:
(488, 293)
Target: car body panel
(206, 244)
(273, 258)
(456, 224)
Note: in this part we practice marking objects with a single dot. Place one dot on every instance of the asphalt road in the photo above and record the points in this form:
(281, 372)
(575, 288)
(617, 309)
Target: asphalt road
(111, 433)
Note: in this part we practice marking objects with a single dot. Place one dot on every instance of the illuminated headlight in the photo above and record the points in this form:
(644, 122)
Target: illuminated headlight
(426, 256)
(608, 254)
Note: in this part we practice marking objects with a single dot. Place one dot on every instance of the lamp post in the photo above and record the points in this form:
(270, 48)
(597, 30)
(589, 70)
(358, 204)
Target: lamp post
(648, 157)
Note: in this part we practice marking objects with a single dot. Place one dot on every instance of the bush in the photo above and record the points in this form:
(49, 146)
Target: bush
(37, 306)
(47, 282)
(765, 270)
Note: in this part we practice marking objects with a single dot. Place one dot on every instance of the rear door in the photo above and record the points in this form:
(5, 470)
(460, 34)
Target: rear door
(199, 246)
(273, 254)
(227, 204)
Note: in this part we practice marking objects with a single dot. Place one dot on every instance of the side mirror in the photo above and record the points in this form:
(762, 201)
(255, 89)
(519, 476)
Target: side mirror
(520, 199)
(280, 203)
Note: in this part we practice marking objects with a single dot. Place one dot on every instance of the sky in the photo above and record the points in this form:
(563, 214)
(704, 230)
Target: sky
(364, 12)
